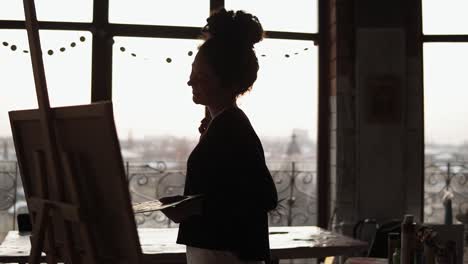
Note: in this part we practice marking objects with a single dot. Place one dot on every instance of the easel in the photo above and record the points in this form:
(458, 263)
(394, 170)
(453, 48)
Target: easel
(52, 218)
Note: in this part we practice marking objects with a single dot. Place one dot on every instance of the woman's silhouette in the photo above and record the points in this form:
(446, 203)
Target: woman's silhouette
(228, 165)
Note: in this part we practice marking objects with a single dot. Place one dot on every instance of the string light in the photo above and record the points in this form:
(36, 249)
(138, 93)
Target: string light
(122, 49)
(190, 53)
(13, 47)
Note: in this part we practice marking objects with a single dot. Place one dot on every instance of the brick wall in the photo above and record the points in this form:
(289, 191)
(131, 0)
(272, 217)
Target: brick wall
(376, 162)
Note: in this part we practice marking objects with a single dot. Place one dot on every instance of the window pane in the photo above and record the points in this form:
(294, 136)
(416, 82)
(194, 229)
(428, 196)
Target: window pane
(159, 12)
(157, 120)
(68, 72)
(150, 92)
(50, 10)
(446, 127)
(445, 17)
(282, 107)
(296, 15)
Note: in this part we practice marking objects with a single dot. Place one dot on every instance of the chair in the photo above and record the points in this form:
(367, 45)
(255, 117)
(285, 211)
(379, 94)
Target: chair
(376, 234)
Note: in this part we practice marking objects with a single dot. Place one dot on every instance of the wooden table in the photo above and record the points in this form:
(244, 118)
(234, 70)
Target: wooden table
(158, 244)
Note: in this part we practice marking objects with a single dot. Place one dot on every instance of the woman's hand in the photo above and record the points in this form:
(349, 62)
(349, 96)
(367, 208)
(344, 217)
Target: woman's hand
(171, 199)
(181, 211)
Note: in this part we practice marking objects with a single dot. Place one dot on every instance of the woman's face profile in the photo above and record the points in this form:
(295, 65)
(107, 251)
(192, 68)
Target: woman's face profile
(204, 82)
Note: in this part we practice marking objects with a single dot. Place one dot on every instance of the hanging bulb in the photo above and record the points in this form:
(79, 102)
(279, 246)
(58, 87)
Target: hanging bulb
(122, 49)
(13, 47)
(286, 55)
(306, 48)
(82, 39)
(263, 55)
(133, 54)
(169, 60)
(62, 49)
(190, 53)
(5, 43)
(73, 44)
(25, 51)
(50, 52)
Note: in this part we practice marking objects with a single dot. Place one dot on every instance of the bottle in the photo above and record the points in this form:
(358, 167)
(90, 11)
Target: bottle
(448, 216)
(408, 239)
(396, 256)
(393, 242)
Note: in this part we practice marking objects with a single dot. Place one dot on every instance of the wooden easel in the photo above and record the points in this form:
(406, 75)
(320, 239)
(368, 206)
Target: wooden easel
(51, 217)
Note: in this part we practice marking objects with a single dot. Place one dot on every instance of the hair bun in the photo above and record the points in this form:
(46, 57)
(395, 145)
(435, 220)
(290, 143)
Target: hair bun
(237, 27)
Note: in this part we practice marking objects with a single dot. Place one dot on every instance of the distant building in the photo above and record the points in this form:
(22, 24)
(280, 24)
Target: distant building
(7, 151)
(293, 148)
(5, 155)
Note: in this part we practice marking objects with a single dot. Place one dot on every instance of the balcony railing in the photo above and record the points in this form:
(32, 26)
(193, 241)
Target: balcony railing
(445, 178)
(295, 182)
(296, 190)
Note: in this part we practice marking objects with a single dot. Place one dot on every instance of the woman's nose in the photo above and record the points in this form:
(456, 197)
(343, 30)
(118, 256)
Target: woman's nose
(189, 83)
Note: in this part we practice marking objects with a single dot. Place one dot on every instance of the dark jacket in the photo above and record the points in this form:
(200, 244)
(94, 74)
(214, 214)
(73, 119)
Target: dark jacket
(228, 167)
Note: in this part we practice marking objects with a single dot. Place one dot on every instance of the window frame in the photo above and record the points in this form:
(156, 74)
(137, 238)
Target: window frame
(101, 69)
(433, 38)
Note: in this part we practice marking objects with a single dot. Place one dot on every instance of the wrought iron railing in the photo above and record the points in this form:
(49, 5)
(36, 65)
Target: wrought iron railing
(296, 190)
(296, 187)
(442, 178)
(295, 182)
(8, 184)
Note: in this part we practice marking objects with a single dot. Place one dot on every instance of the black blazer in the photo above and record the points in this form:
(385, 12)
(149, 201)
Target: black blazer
(228, 167)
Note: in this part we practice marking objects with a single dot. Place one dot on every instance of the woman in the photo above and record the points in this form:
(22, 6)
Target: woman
(228, 165)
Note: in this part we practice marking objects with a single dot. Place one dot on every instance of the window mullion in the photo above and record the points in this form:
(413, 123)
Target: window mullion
(445, 38)
(101, 72)
(216, 4)
(46, 25)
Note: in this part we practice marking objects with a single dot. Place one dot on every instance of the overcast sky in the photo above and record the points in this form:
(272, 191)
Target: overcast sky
(151, 96)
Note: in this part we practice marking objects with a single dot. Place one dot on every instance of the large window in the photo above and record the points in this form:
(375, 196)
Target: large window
(446, 127)
(155, 117)
(155, 113)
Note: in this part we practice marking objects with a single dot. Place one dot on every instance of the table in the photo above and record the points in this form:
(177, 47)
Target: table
(158, 244)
